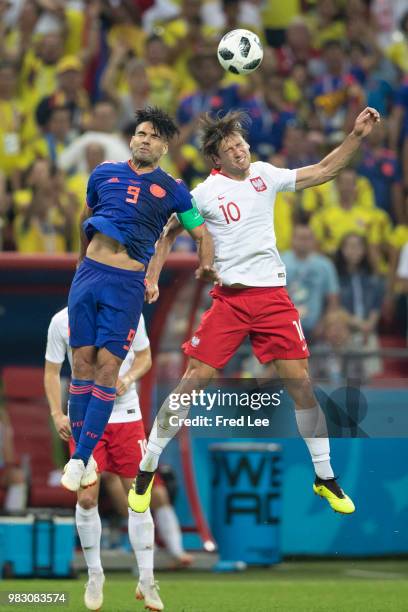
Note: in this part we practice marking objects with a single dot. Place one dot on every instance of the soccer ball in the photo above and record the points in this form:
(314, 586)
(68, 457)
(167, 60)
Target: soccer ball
(240, 51)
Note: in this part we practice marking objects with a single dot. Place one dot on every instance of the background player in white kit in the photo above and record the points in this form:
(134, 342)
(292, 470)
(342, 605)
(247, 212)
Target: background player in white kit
(237, 203)
(116, 452)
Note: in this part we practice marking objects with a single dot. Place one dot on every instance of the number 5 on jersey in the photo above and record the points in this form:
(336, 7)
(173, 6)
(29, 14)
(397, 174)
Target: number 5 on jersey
(133, 191)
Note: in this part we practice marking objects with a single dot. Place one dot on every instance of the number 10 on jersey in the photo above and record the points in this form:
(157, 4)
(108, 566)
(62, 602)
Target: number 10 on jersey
(231, 212)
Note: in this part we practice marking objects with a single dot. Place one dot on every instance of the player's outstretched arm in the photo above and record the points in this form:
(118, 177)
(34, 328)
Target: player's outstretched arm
(332, 164)
(163, 247)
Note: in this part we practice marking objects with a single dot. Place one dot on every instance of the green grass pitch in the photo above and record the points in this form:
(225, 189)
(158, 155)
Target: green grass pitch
(344, 586)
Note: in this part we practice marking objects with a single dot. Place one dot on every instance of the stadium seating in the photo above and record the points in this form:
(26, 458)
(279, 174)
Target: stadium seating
(29, 415)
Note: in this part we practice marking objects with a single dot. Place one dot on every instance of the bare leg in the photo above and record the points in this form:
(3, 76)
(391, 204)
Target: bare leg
(84, 362)
(115, 489)
(196, 377)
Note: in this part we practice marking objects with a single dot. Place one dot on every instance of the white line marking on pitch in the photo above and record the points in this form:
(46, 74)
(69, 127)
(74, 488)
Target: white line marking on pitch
(357, 573)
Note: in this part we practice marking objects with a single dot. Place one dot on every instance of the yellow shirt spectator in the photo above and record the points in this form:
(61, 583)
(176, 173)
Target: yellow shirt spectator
(278, 15)
(129, 35)
(284, 205)
(336, 30)
(75, 31)
(16, 129)
(164, 86)
(325, 195)
(37, 79)
(39, 236)
(398, 236)
(398, 54)
(330, 225)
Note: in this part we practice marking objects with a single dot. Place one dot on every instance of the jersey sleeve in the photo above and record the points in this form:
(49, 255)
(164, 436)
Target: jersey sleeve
(283, 179)
(91, 193)
(56, 348)
(186, 209)
(141, 339)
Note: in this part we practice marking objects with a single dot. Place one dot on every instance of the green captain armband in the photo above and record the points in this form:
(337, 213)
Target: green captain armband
(190, 218)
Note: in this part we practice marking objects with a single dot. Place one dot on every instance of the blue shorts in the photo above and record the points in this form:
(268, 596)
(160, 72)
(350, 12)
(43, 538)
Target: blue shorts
(104, 306)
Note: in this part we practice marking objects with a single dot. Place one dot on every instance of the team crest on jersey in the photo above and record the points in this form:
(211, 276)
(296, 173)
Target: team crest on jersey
(157, 191)
(258, 183)
(195, 341)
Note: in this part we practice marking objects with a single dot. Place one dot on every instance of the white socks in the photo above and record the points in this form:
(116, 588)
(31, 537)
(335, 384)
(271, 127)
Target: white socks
(89, 527)
(169, 530)
(161, 434)
(141, 536)
(16, 497)
(312, 427)
(150, 460)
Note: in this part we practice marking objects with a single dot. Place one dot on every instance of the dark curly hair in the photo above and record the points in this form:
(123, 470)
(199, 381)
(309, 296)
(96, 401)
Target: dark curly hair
(161, 121)
(214, 129)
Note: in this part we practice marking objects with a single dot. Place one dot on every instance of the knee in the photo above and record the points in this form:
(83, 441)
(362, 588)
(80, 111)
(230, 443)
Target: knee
(107, 368)
(83, 367)
(107, 374)
(87, 501)
(301, 370)
(199, 372)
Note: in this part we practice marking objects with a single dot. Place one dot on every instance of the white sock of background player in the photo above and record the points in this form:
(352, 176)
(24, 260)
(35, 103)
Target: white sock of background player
(169, 530)
(89, 527)
(141, 536)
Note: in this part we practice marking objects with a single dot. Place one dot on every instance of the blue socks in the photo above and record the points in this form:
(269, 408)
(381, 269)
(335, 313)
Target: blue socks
(96, 417)
(79, 395)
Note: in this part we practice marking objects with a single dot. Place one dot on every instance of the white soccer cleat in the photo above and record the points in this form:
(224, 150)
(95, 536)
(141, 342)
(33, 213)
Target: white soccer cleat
(90, 475)
(73, 473)
(93, 597)
(149, 591)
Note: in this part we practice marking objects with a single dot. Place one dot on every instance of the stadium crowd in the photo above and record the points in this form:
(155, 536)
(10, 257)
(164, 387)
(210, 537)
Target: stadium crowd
(73, 72)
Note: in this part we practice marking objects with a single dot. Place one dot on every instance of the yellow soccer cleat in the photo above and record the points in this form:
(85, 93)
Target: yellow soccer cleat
(330, 490)
(141, 491)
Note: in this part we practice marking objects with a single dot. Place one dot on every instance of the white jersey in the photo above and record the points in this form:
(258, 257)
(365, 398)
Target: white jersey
(240, 218)
(126, 407)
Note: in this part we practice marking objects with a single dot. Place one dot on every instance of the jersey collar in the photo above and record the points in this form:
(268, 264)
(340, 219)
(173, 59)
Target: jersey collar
(133, 167)
(215, 171)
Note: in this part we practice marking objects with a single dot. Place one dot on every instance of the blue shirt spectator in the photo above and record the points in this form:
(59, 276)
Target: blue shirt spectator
(401, 103)
(361, 290)
(312, 280)
(383, 169)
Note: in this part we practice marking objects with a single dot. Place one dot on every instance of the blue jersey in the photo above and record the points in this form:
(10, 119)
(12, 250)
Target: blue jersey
(133, 208)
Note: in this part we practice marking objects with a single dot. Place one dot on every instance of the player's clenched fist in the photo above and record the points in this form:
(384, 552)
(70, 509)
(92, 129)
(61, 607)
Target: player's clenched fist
(151, 291)
(208, 274)
(365, 122)
(63, 427)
